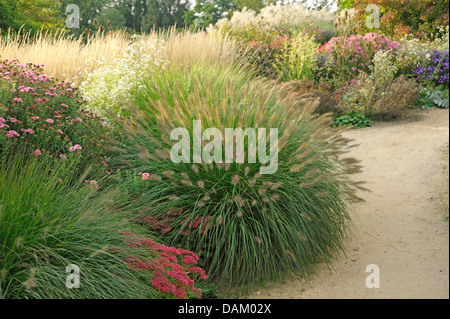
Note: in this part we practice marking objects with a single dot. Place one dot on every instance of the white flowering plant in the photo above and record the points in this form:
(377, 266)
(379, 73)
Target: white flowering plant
(383, 68)
(289, 15)
(109, 87)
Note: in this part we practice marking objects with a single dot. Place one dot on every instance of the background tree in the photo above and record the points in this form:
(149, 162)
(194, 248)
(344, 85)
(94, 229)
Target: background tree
(133, 11)
(165, 13)
(315, 4)
(206, 12)
(30, 15)
(89, 10)
(8, 9)
(400, 17)
(255, 5)
(115, 17)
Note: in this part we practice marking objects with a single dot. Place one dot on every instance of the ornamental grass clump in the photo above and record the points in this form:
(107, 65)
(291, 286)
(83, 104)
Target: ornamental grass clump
(50, 225)
(243, 225)
(47, 223)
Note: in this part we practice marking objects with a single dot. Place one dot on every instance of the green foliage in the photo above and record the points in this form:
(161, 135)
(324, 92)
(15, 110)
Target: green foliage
(30, 15)
(319, 35)
(353, 119)
(209, 290)
(255, 5)
(7, 10)
(346, 4)
(433, 97)
(439, 98)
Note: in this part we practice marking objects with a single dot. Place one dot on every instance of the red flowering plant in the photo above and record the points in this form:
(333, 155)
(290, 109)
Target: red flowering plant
(174, 221)
(46, 115)
(172, 271)
(166, 223)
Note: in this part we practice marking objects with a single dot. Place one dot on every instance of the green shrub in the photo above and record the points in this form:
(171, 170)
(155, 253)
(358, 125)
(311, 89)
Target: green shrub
(243, 225)
(379, 102)
(296, 59)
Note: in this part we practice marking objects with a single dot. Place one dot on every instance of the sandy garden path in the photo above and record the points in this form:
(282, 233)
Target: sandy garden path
(402, 227)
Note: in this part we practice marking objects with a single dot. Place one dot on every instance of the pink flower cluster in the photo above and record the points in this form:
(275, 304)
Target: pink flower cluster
(359, 44)
(169, 274)
(356, 52)
(75, 147)
(12, 133)
(47, 115)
